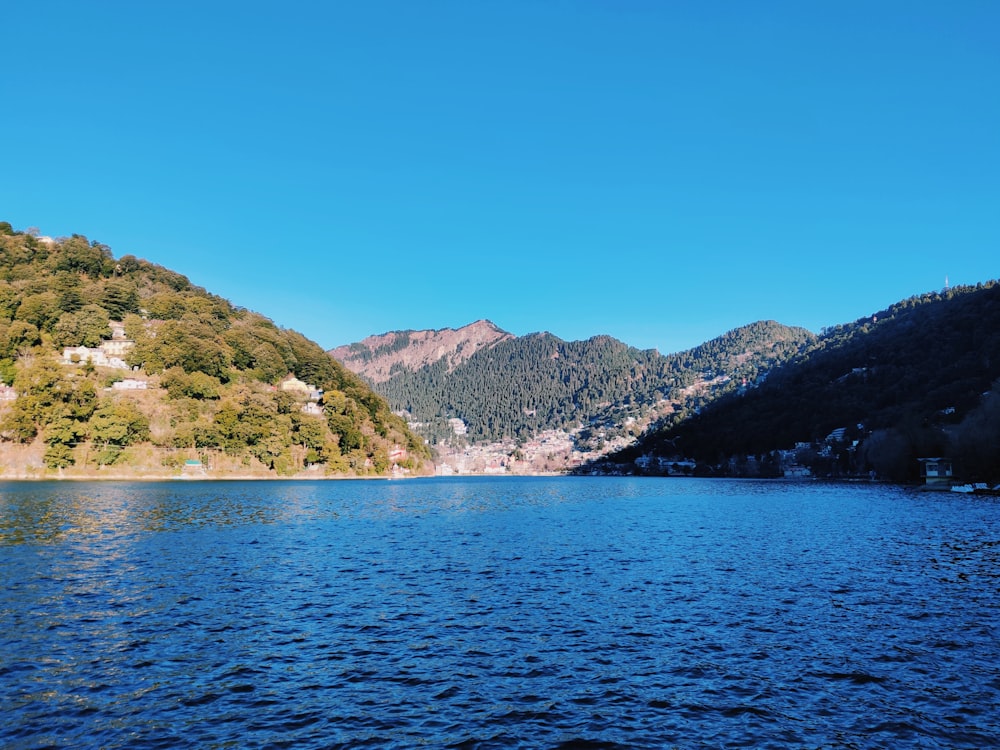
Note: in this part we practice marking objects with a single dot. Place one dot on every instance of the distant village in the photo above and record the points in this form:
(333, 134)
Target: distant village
(557, 451)
(548, 452)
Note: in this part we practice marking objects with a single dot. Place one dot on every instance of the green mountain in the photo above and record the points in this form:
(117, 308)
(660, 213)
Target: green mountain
(514, 388)
(919, 379)
(123, 363)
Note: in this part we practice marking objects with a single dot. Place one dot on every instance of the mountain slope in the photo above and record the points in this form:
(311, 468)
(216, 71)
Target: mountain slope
(122, 362)
(908, 375)
(377, 358)
(517, 388)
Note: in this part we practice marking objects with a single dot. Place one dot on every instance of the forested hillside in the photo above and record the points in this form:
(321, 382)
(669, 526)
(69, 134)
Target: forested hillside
(917, 379)
(518, 387)
(122, 362)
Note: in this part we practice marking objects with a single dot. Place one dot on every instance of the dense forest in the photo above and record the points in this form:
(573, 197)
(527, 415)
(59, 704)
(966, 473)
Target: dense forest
(206, 376)
(518, 387)
(916, 380)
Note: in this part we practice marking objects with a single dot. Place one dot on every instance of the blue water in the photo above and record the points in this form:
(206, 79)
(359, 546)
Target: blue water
(495, 613)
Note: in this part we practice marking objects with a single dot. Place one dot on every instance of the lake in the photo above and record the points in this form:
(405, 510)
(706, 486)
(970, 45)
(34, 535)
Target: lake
(497, 613)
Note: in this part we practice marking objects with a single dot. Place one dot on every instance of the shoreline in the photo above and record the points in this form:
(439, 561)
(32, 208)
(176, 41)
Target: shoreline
(188, 478)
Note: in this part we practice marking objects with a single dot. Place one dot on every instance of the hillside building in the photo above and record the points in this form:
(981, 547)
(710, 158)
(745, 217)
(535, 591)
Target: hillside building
(292, 384)
(108, 354)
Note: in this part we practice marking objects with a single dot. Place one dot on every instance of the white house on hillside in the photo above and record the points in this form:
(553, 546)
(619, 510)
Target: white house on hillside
(130, 384)
(292, 384)
(99, 357)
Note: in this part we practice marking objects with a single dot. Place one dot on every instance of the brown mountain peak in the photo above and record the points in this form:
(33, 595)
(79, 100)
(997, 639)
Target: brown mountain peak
(376, 357)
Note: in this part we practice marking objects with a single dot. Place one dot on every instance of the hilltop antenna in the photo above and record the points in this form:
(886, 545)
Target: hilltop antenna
(946, 287)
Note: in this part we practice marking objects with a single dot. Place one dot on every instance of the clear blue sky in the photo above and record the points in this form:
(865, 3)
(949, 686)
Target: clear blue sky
(659, 171)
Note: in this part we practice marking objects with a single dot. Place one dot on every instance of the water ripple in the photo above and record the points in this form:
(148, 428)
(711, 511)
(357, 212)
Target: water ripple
(566, 613)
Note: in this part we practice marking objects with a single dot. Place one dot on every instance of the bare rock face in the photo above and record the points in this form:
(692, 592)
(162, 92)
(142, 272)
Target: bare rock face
(379, 357)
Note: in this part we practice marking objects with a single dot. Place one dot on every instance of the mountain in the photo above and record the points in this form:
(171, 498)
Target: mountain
(378, 358)
(480, 385)
(919, 379)
(118, 364)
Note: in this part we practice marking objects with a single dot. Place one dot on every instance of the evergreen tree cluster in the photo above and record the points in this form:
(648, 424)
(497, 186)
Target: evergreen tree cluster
(217, 364)
(399, 341)
(521, 386)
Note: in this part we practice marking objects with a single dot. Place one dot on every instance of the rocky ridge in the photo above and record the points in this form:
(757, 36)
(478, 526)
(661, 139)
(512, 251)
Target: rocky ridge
(377, 358)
